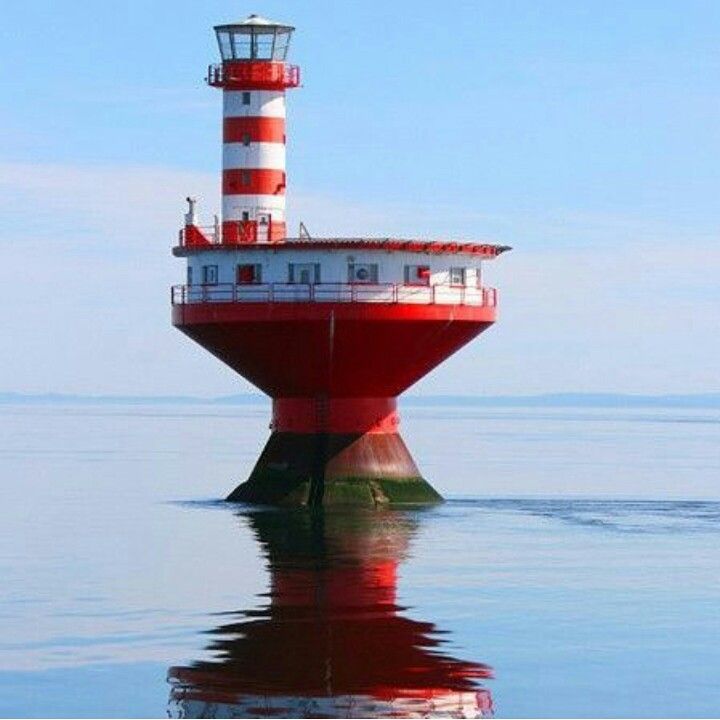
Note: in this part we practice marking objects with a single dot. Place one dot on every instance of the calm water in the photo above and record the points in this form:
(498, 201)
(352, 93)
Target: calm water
(129, 590)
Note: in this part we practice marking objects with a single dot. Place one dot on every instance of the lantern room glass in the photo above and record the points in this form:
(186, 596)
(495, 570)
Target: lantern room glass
(242, 42)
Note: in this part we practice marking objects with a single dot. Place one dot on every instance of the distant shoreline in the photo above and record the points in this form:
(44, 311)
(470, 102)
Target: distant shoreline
(548, 400)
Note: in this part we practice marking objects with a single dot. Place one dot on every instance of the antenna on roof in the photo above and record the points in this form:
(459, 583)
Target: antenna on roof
(303, 233)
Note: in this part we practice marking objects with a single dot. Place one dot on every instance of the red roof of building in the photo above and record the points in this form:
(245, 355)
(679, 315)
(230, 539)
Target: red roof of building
(430, 247)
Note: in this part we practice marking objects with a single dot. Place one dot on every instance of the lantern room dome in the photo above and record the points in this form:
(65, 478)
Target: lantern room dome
(255, 38)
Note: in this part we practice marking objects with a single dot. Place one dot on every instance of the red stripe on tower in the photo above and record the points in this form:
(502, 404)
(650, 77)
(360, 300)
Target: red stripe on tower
(254, 129)
(253, 182)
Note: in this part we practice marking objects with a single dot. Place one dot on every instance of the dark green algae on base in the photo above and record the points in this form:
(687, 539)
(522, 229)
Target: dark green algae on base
(277, 488)
(332, 469)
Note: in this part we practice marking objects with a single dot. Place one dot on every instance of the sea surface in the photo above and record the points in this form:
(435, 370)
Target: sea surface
(573, 571)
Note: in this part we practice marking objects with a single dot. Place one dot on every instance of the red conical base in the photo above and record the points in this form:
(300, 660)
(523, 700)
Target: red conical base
(333, 371)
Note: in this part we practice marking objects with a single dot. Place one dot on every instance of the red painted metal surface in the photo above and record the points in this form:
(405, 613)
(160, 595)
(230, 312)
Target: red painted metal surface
(431, 247)
(253, 182)
(335, 415)
(254, 129)
(253, 75)
(239, 232)
(193, 236)
(355, 349)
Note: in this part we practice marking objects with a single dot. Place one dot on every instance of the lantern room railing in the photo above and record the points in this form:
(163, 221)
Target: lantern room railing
(334, 293)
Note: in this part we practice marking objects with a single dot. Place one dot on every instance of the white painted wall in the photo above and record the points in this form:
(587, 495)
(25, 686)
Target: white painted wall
(266, 155)
(333, 264)
(263, 103)
(233, 206)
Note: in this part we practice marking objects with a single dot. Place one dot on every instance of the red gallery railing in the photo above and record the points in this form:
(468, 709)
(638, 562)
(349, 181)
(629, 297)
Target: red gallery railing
(258, 74)
(334, 292)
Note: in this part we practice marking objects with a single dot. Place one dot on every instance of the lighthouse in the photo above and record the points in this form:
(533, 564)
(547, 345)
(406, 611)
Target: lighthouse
(332, 329)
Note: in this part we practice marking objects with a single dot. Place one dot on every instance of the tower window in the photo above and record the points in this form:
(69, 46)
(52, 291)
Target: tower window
(210, 274)
(189, 275)
(246, 98)
(457, 276)
(246, 139)
(245, 177)
(245, 215)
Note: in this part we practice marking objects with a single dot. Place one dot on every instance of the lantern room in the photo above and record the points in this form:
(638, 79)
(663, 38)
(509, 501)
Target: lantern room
(253, 39)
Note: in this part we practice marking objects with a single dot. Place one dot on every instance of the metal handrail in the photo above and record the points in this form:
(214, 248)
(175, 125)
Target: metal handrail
(272, 72)
(383, 293)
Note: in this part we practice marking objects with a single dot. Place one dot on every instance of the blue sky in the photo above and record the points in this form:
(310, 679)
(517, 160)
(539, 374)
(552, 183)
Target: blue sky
(586, 135)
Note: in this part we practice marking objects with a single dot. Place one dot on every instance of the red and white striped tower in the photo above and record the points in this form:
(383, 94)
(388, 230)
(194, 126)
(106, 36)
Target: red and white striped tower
(253, 76)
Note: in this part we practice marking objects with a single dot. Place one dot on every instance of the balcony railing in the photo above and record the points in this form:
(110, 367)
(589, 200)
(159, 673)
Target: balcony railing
(334, 293)
(260, 74)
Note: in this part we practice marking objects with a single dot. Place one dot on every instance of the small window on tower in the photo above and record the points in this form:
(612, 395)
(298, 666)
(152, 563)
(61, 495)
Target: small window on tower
(245, 215)
(245, 177)
(210, 274)
(246, 139)
(246, 98)
(247, 274)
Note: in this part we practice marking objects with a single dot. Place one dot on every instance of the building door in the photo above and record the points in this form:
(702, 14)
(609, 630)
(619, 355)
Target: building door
(263, 227)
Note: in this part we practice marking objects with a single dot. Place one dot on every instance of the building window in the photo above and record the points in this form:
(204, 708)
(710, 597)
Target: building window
(417, 274)
(457, 276)
(362, 273)
(246, 139)
(210, 274)
(189, 275)
(245, 177)
(304, 273)
(246, 98)
(248, 274)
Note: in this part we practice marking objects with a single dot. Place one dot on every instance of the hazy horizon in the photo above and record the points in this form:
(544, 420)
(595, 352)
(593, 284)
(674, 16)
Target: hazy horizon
(699, 401)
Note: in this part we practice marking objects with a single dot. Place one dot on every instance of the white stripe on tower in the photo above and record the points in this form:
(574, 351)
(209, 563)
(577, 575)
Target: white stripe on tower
(267, 155)
(263, 103)
(232, 205)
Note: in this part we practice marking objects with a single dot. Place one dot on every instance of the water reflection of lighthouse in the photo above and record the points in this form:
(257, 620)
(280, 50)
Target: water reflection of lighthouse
(332, 641)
